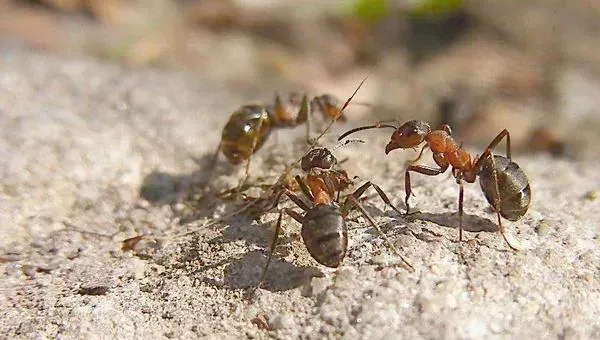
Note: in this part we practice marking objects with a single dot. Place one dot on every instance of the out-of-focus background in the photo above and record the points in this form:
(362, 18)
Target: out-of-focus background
(530, 66)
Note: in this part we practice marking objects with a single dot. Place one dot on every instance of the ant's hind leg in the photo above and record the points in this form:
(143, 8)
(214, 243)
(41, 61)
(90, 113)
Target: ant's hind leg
(496, 206)
(501, 228)
(488, 151)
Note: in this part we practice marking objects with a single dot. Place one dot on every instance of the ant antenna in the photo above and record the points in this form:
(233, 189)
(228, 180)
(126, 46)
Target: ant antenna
(376, 126)
(346, 142)
(339, 114)
(333, 120)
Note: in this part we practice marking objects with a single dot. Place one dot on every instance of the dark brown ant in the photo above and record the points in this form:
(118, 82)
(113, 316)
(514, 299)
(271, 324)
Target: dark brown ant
(249, 126)
(324, 230)
(275, 190)
(503, 182)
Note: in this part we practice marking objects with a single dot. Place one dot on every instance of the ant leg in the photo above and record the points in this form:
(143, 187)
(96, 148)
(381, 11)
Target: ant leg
(296, 216)
(302, 116)
(244, 178)
(359, 206)
(492, 145)
(305, 189)
(297, 200)
(360, 191)
(252, 150)
(496, 206)
(384, 197)
(270, 256)
(422, 169)
(419, 156)
(461, 193)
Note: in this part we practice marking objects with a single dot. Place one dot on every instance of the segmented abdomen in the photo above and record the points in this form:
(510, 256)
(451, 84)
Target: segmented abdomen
(245, 132)
(325, 235)
(515, 193)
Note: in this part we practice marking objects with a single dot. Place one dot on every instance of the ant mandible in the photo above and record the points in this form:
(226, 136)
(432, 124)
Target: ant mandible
(324, 230)
(502, 181)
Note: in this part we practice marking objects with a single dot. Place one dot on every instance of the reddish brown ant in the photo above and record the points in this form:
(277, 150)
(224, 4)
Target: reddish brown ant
(503, 182)
(324, 230)
(249, 126)
(249, 134)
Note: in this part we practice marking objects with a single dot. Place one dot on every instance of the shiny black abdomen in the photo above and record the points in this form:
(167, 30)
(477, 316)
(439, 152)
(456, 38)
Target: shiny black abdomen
(325, 235)
(515, 193)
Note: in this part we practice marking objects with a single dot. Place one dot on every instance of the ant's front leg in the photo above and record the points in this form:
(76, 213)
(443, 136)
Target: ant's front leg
(360, 191)
(422, 169)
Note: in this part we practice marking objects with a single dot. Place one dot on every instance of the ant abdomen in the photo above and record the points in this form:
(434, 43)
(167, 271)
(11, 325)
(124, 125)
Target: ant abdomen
(325, 234)
(245, 132)
(515, 193)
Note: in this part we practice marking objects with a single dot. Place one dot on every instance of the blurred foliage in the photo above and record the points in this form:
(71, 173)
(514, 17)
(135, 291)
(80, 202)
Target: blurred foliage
(371, 11)
(436, 7)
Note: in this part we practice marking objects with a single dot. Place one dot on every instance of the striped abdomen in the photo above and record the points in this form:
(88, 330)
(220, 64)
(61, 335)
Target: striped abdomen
(515, 193)
(325, 235)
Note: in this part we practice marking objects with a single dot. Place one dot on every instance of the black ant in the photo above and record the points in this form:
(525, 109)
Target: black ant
(249, 126)
(324, 230)
(502, 181)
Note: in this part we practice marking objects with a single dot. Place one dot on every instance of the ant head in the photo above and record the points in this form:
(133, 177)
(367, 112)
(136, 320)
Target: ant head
(318, 158)
(408, 135)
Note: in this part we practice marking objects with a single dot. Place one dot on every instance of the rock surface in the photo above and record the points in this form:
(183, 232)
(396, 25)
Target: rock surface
(93, 154)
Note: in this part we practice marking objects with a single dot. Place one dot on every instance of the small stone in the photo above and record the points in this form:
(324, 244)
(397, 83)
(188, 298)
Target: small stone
(93, 290)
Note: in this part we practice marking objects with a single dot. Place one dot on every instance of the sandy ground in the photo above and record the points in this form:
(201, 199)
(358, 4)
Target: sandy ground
(93, 154)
